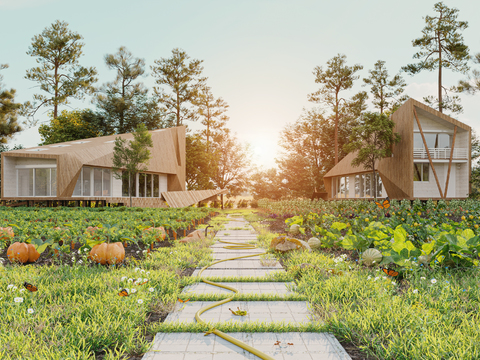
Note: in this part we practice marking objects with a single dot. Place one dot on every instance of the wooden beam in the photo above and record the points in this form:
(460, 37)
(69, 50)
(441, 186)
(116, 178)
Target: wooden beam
(451, 158)
(428, 152)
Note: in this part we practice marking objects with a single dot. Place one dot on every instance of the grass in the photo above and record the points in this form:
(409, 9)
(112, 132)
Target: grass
(77, 313)
(432, 314)
(249, 327)
(246, 297)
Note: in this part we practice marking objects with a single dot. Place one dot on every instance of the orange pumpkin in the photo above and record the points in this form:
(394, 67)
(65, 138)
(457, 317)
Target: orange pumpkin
(105, 253)
(22, 253)
(159, 230)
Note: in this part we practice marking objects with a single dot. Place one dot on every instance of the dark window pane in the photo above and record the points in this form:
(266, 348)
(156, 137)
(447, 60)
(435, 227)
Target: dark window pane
(86, 181)
(141, 185)
(42, 182)
(425, 172)
(156, 186)
(124, 184)
(443, 141)
(106, 182)
(25, 182)
(149, 185)
(417, 172)
(97, 182)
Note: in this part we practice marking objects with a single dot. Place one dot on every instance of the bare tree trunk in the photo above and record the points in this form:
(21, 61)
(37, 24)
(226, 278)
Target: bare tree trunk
(374, 181)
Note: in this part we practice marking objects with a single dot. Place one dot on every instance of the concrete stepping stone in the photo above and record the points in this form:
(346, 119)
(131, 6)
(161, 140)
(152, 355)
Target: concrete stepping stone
(242, 287)
(268, 311)
(306, 346)
(196, 346)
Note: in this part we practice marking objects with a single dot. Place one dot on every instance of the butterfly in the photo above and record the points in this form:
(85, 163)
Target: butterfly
(384, 205)
(277, 343)
(123, 292)
(290, 343)
(183, 301)
(30, 287)
(390, 272)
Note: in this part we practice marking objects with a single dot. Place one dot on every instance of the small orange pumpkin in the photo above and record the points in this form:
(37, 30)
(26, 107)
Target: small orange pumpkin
(105, 253)
(22, 253)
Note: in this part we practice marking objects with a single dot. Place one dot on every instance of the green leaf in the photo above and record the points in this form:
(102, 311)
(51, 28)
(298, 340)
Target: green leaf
(349, 242)
(40, 246)
(400, 235)
(338, 226)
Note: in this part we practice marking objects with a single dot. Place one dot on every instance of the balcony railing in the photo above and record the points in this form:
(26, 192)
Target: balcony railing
(458, 153)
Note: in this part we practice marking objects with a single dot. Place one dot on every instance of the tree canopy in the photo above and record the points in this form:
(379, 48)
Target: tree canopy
(179, 83)
(441, 46)
(387, 93)
(72, 125)
(57, 51)
(373, 140)
(130, 157)
(123, 102)
(335, 78)
(9, 110)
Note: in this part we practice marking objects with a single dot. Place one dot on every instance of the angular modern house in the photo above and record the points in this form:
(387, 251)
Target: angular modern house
(82, 171)
(432, 161)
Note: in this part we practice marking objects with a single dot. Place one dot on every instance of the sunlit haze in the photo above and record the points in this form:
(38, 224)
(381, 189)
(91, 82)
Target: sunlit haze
(258, 55)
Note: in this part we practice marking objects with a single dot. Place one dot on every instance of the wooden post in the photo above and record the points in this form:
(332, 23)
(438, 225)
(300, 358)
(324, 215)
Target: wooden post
(451, 158)
(221, 196)
(428, 152)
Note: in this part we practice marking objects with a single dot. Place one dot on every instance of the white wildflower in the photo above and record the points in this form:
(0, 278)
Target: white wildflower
(369, 277)
(376, 278)
(134, 291)
(18, 299)
(137, 269)
(415, 291)
(123, 278)
(433, 281)
(130, 280)
(423, 278)
(151, 289)
(9, 286)
(142, 271)
(140, 301)
(30, 311)
(22, 290)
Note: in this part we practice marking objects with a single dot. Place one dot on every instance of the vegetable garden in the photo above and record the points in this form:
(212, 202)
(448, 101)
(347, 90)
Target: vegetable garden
(66, 306)
(399, 283)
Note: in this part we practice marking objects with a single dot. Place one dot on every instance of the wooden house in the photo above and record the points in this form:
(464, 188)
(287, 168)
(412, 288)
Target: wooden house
(82, 171)
(432, 161)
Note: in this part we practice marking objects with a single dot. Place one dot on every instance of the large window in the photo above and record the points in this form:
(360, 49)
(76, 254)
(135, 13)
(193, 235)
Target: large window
(421, 171)
(434, 141)
(148, 185)
(363, 186)
(37, 182)
(93, 182)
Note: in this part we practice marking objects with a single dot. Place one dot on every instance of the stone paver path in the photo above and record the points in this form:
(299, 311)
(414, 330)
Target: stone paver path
(195, 346)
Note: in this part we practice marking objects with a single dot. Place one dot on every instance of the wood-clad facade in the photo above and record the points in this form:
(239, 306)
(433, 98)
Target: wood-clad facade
(81, 170)
(432, 160)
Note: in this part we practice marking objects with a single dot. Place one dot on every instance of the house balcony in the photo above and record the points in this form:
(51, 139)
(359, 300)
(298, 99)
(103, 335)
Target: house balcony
(441, 154)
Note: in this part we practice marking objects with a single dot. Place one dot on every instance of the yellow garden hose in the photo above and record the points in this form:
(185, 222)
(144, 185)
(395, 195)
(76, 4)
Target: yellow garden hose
(234, 246)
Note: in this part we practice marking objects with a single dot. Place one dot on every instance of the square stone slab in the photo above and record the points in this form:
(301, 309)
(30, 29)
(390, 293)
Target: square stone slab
(268, 311)
(306, 346)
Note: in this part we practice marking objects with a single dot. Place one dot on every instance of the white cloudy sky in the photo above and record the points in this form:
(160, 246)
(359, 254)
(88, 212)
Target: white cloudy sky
(258, 54)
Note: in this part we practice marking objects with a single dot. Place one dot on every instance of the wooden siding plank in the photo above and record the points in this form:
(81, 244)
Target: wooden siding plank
(186, 198)
(428, 152)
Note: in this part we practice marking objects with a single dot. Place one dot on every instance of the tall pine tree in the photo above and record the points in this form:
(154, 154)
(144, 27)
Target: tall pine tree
(58, 50)
(441, 47)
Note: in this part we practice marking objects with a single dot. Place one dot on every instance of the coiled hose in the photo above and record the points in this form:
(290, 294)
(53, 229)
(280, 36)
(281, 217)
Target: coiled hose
(233, 246)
